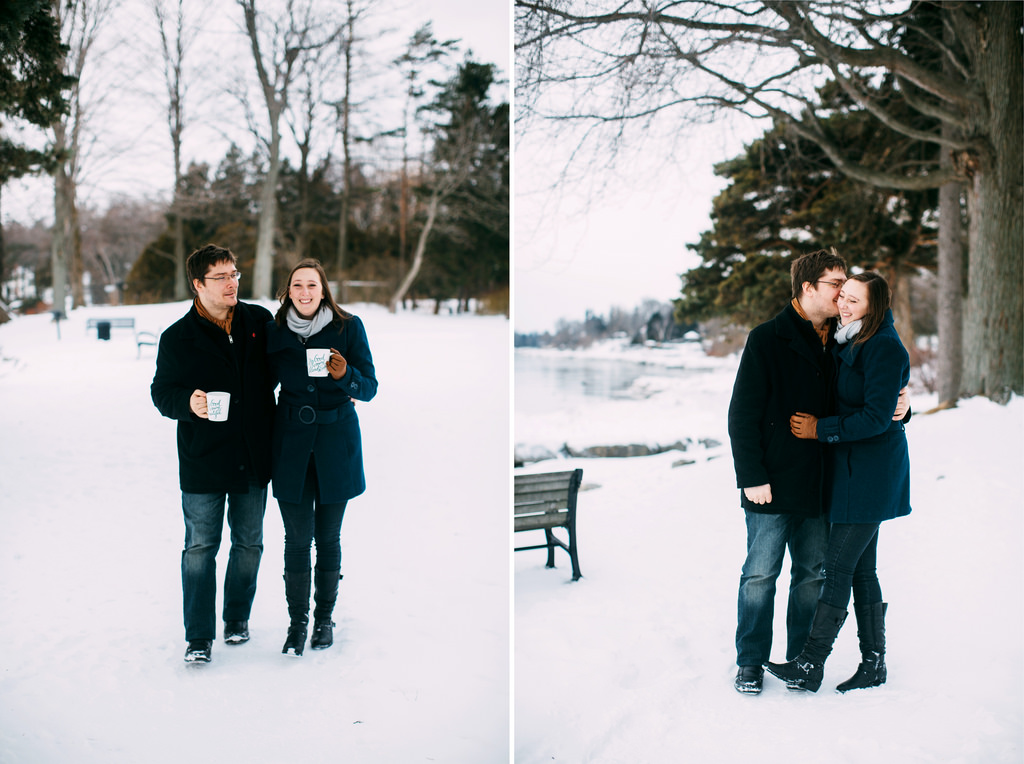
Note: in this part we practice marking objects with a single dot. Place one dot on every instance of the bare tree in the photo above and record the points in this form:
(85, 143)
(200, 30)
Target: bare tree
(177, 34)
(421, 52)
(462, 137)
(80, 22)
(276, 52)
(646, 59)
(302, 119)
(344, 108)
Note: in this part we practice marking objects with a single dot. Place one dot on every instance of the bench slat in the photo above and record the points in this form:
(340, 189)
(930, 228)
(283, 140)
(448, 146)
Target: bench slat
(119, 323)
(546, 520)
(526, 508)
(555, 478)
(543, 497)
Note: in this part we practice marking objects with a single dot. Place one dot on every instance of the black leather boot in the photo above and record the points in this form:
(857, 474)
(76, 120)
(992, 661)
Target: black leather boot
(325, 594)
(871, 632)
(296, 593)
(806, 671)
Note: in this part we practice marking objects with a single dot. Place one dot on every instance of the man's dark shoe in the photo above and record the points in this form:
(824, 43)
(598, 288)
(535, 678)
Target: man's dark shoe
(749, 680)
(199, 651)
(236, 632)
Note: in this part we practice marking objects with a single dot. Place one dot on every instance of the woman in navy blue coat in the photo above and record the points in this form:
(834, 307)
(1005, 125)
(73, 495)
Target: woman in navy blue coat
(870, 481)
(317, 458)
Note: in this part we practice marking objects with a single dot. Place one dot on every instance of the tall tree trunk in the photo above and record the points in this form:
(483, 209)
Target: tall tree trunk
(275, 95)
(175, 38)
(60, 243)
(181, 285)
(77, 264)
(263, 270)
(181, 290)
(950, 290)
(302, 181)
(994, 320)
(346, 149)
(343, 235)
(3, 256)
(901, 308)
(421, 248)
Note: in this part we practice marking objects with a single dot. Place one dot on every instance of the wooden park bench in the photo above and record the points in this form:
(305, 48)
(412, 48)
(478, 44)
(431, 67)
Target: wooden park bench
(115, 323)
(546, 501)
(141, 338)
(145, 338)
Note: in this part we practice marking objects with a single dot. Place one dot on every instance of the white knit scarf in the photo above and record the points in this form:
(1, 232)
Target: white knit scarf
(307, 327)
(845, 333)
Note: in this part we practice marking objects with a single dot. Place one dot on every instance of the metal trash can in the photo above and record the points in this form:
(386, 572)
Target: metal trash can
(103, 330)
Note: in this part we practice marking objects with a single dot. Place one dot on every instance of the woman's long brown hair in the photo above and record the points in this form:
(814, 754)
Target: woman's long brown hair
(879, 300)
(286, 302)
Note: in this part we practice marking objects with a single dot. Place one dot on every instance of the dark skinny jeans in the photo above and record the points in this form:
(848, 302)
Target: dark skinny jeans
(850, 565)
(311, 520)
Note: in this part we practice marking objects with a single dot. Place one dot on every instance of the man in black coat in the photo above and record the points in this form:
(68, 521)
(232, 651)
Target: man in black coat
(786, 367)
(218, 346)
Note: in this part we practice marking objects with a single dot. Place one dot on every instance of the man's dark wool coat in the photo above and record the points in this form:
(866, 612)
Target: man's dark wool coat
(870, 473)
(195, 354)
(784, 369)
(316, 417)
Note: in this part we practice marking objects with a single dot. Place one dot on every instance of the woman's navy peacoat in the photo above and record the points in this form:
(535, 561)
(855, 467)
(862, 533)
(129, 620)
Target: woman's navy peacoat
(869, 455)
(316, 416)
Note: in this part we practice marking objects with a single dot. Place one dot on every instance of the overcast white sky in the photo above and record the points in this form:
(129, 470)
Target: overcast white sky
(132, 155)
(574, 253)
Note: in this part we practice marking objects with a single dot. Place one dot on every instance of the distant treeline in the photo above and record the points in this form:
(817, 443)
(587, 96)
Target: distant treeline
(651, 321)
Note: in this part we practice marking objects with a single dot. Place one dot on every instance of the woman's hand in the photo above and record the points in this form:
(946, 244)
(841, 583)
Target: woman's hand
(337, 365)
(804, 426)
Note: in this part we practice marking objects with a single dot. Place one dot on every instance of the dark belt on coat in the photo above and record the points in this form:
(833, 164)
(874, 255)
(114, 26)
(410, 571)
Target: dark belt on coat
(310, 415)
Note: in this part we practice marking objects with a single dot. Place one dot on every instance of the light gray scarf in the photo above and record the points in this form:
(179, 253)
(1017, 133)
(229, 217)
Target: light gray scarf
(846, 333)
(306, 328)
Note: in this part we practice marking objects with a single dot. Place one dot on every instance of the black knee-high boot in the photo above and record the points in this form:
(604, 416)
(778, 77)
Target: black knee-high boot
(296, 593)
(806, 671)
(871, 633)
(325, 594)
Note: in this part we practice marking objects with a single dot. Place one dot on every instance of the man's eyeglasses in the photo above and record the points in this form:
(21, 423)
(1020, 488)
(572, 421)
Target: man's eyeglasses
(236, 276)
(833, 284)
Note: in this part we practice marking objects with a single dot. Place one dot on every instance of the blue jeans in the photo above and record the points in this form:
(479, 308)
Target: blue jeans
(204, 523)
(309, 520)
(767, 539)
(850, 565)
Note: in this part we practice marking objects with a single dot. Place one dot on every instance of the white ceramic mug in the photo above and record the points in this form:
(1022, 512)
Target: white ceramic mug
(217, 405)
(316, 361)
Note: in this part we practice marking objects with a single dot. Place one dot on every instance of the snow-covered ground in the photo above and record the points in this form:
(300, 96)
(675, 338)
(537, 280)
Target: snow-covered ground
(91, 639)
(635, 662)
(632, 664)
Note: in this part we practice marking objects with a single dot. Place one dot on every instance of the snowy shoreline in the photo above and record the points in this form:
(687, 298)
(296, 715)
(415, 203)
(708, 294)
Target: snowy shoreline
(658, 413)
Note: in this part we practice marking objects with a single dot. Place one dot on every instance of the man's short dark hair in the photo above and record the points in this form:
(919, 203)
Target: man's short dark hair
(811, 266)
(200, 262)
